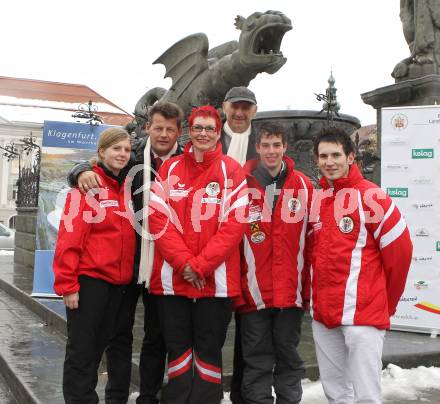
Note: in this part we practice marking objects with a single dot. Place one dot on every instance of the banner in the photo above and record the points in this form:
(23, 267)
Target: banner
(410, 171)
(64, 145)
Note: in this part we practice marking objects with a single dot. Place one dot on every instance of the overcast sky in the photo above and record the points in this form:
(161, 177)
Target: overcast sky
(110, 45)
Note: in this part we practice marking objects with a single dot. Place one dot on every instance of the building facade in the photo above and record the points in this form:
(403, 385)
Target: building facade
(24, 106)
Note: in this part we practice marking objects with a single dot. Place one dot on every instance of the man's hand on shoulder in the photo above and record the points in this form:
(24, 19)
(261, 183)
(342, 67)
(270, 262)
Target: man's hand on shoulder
(88, 180)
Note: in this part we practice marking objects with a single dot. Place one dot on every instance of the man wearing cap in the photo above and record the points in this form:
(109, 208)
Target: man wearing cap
(238, 141)
(164, 126)
(237, 137)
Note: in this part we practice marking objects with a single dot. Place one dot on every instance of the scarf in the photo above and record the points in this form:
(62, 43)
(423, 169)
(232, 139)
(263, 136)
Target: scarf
(239, 143)
(147, 245)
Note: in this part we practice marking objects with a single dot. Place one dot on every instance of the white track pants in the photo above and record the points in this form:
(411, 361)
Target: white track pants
(350, 362)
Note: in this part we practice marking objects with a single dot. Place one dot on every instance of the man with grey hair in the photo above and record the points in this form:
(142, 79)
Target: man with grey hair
(238, 141)
(237, 137)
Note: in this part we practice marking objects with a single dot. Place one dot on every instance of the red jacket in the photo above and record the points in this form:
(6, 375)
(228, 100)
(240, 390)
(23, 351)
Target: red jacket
(199, 217)
(273, 272)
(361, 254)
(96, 237)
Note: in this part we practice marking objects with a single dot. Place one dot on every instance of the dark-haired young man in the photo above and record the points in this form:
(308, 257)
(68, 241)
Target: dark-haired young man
(164, 127)
(274, 274)
(361, 257)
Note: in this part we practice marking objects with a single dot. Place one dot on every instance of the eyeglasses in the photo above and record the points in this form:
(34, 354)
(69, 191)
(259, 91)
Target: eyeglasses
(199, 129)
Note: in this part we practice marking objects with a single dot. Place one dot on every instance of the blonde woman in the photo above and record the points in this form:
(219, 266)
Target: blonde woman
(93, 262)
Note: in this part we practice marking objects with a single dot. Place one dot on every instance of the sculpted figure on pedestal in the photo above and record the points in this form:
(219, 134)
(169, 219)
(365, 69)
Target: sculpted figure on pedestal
(202, 76)
(421, 27)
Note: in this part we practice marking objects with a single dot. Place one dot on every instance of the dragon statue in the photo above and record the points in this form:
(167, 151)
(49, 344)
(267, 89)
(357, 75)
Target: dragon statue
(202, 76)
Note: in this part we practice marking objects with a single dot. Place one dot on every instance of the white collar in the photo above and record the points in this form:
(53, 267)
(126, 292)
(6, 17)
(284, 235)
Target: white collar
(166, 157)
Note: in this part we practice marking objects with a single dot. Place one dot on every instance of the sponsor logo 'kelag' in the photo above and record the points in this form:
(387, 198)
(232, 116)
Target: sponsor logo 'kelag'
(422, 153)
(397, 192)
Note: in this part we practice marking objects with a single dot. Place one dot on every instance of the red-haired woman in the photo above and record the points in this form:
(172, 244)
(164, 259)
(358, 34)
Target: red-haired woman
(200, 202)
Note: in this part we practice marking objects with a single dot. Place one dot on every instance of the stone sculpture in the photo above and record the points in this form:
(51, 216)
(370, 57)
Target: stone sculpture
(421, 27)
(201, 76)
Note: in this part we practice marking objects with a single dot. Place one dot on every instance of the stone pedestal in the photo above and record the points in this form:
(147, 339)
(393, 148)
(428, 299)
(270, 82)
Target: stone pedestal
(25, 237)
(420, 91)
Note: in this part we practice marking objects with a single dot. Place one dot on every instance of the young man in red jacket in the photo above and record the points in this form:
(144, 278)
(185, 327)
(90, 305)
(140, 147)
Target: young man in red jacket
(361, 256)
(273, 274)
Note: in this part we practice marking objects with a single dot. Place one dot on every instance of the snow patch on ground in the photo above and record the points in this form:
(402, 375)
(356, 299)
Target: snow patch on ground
(397, 384)
(408, 384)
(6, 252)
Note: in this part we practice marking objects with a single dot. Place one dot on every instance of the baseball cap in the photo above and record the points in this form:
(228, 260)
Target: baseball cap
(236, 94)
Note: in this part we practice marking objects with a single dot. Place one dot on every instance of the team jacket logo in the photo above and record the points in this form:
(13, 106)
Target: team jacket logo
(216, 201)
(180, 191)
(108, 204)
(294, 205)
(254, 213)
(257, 236)
(213, 189)
(346, 224)
(399, 122)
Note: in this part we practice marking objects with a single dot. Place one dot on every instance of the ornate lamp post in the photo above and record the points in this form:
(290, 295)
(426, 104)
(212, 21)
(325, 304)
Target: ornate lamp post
(331, 105)
(88, 112)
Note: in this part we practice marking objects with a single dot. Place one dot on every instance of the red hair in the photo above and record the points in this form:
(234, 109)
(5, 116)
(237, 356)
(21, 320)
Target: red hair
(205, 111)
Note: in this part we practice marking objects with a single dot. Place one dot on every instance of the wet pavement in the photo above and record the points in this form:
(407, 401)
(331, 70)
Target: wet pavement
(34, 353)
(6, 396)
(37, 351)
(426, 397)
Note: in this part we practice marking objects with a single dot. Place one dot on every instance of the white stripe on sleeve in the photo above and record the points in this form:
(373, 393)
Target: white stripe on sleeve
(393, 234)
